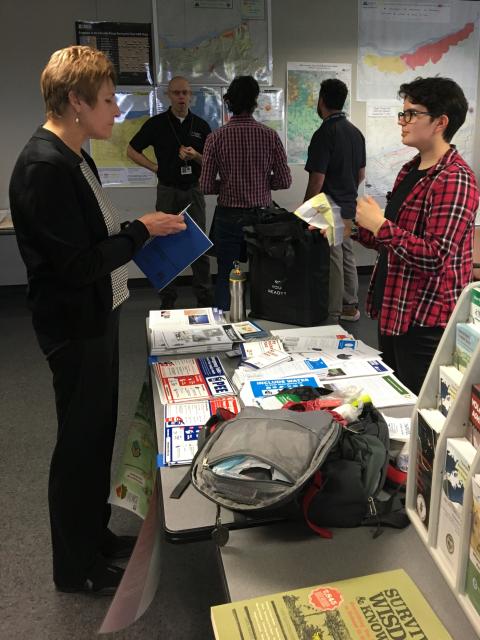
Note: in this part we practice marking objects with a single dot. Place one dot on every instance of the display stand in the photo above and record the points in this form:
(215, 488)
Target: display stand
(455, 426)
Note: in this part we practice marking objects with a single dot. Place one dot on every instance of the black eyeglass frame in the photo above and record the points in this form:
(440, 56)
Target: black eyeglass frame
(408, 114)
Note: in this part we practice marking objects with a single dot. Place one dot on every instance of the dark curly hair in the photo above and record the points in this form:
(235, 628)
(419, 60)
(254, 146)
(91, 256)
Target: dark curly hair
(242, 94)
(439, 96)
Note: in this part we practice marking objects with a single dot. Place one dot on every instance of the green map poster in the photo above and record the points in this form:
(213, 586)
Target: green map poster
(303, 85)
(110, 156)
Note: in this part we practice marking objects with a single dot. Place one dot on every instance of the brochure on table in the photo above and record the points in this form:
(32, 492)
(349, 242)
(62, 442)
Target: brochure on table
(195, 330)
(191, 379)
(182, 426)
(384, 390)
(324, 367)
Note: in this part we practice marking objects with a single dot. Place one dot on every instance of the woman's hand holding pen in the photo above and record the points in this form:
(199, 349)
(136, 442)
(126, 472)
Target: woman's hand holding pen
(163, 224)
(369, 215)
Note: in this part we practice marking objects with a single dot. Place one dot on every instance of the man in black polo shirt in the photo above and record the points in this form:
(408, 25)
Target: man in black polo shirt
(177, 137)
(336, 164)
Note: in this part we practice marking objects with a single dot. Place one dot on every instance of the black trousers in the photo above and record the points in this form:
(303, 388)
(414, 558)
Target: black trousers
(411, 353)
(85, 380)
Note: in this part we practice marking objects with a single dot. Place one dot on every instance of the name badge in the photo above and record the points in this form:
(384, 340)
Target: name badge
(186, 170)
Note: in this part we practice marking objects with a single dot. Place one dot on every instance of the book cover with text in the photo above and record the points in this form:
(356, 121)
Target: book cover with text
(383, 605)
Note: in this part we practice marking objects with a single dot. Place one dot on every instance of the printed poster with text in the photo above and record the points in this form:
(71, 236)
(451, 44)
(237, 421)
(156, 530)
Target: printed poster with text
(303, 86)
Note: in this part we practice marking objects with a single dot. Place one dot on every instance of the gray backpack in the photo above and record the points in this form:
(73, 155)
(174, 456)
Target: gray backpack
(258, 461)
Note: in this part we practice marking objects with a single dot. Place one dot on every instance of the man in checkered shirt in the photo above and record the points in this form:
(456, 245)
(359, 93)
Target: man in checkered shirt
(425, 235)
(250, 161)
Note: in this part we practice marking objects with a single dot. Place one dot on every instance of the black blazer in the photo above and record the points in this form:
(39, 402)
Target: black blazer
(64, 241)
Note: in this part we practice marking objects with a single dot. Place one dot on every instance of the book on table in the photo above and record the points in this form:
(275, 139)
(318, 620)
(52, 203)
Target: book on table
(385, 605)
(191, 379)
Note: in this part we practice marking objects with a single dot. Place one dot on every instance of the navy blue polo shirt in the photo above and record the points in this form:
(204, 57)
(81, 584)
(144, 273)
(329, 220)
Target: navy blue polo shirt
(337, 149)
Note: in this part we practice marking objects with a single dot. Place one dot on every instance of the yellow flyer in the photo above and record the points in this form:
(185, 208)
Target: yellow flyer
(381, 606)
(319, 212)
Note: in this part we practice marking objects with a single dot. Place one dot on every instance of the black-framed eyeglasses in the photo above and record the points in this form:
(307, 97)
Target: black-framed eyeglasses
(408, 114)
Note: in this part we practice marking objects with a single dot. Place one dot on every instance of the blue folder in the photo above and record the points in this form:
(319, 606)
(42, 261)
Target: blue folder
(163, 258)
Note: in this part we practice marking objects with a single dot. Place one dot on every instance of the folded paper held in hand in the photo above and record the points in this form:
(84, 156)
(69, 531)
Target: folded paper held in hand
(319, 212)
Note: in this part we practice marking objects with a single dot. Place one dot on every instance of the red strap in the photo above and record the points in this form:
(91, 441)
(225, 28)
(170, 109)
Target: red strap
(312, 491)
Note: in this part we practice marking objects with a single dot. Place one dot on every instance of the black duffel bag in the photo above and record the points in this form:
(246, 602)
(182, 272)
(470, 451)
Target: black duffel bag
(289, 269)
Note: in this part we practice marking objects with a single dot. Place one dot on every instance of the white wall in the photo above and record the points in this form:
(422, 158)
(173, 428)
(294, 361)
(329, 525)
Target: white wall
(302, 30)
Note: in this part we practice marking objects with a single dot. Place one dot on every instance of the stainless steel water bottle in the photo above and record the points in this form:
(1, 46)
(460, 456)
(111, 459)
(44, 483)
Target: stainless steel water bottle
(237, 293)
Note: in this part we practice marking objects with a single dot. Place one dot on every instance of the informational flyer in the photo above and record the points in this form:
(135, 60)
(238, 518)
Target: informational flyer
(271, 110)
(127, 44)
(110, 156)
(303, 86)
(183, 423)
(135, 477)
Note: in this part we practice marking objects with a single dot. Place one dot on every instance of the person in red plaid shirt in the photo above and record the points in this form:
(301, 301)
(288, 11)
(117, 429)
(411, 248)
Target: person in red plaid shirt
(251, 161)
(425, 235)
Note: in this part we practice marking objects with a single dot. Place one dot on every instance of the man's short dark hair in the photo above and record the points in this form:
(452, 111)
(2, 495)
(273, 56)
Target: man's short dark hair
(242, 94)
(439, 96)
(333, 92)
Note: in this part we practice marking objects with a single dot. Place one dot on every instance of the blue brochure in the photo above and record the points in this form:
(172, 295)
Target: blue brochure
(163, 258)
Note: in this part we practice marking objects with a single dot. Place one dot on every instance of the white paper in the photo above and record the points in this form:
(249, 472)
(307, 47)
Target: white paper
(384, 391)
(258, 347)
(322, 366)
(194, 317)
(398, 428)
(267, 359)
(331, 347)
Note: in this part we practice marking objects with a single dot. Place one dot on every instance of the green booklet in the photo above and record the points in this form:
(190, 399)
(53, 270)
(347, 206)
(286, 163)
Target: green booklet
(382, 605)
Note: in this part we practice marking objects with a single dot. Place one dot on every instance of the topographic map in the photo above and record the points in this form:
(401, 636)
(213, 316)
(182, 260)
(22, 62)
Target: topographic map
(211, 42)
(110, 156)
(303, 85)
(416, 39)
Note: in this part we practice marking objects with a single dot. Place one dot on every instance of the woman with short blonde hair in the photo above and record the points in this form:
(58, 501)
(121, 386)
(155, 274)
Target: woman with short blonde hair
(75, 250)
(80, 69)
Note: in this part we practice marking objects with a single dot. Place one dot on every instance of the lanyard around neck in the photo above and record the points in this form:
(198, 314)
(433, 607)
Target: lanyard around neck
(172, 127)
